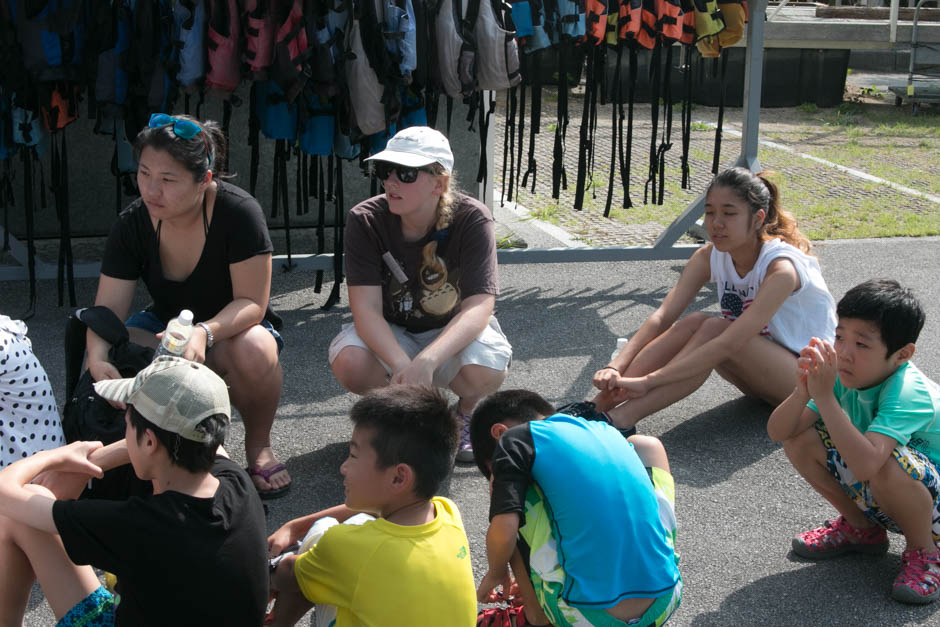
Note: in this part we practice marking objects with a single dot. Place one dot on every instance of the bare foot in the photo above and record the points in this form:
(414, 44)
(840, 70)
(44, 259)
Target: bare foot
(267, 472)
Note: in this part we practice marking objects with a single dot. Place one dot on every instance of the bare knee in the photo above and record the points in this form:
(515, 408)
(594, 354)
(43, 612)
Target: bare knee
(650, 451)
(892, 477)
(805, 446)
(7, 531)
(251, 353)
(357, 369)
(691, 323)
(711, 328)
(476, 381)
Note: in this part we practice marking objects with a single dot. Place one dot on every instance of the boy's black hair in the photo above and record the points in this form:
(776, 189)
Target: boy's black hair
(893, 309)
(508, 406)
(188, 454)
(412, 425)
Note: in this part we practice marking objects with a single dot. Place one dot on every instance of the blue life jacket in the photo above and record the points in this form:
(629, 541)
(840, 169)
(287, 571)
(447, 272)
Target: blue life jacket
(189, 32)
(52, 35)
(277, 117)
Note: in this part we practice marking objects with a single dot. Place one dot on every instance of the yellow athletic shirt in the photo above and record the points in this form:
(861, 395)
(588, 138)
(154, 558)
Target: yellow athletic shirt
(381, 574)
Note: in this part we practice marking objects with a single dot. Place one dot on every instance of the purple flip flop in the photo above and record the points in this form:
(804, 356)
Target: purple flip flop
(265, 473)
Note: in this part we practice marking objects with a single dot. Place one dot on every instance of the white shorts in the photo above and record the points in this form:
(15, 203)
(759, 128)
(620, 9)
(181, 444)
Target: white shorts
(490, 349)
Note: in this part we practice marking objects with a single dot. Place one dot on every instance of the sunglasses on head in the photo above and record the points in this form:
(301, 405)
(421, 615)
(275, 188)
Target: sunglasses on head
(184, 129)
(384, 169)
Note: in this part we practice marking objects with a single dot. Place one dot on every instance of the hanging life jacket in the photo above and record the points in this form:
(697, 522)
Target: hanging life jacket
(382, 38)
(596, 21)
(708, 19)
(449, 38)
(669, 20)
(150, 60)
(13, 75)
(734, 15)
(111, 83)
(52, 35)
(365, 90)
(290, 47)
(497, 53)
(189, 31)
(629, 19)
(571, 21)
(223, 41)
(260, 32)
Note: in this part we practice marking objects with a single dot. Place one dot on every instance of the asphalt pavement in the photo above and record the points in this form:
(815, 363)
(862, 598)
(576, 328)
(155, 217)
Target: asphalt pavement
(739, 502)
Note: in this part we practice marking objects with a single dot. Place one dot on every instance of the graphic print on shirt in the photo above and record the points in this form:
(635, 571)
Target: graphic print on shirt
(437, 296)
(735, 300)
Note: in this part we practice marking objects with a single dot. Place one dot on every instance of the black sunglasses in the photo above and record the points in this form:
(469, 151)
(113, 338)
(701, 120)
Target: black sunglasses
(384, 169)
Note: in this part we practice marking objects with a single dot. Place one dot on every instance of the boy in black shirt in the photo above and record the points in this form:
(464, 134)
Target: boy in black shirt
(193, 553)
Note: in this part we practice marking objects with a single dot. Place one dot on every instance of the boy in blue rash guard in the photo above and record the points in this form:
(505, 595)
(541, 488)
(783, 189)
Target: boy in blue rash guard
(572, 565)
(861, 427)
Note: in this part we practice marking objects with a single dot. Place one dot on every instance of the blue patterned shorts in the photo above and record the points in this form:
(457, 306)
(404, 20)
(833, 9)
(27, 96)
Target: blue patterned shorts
(917, 465)
(95, 610)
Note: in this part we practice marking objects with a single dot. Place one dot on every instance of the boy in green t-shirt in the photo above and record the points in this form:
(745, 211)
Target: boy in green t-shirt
(860, 426)
(410, 566)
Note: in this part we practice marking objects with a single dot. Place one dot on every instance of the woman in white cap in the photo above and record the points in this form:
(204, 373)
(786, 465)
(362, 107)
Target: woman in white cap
(421, 269)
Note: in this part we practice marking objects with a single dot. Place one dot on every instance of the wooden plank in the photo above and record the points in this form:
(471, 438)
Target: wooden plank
(876, 13)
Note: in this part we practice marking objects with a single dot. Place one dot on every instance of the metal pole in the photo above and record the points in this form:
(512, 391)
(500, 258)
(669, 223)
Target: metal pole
(910, 67)
(893, 23)
(753, 80)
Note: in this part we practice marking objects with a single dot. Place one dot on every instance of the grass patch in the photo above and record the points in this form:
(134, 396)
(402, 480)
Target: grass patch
(825, 213)
(882, 140)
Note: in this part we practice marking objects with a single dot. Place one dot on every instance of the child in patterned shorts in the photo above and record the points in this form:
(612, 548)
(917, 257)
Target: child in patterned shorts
(860, 426)
(575, 564)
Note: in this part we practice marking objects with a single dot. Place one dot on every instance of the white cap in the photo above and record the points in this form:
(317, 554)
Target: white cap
(417, 146)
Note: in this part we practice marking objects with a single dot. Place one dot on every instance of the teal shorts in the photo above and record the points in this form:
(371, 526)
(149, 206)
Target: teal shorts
(95, 610)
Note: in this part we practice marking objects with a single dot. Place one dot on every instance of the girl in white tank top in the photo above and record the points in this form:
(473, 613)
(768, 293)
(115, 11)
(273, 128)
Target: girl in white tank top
(772, 296)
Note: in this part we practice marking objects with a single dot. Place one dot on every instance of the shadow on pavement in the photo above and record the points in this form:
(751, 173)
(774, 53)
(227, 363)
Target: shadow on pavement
(809, 596)
(726, 439)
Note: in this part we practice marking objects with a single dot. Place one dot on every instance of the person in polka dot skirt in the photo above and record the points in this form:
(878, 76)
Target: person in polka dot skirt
(29, 419)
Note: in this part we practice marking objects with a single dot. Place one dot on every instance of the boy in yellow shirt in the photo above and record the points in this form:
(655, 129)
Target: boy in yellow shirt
(410, 566)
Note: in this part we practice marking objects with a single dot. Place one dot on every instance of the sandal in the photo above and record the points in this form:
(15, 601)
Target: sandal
(919, 579)
(838, 537)
(266, 474)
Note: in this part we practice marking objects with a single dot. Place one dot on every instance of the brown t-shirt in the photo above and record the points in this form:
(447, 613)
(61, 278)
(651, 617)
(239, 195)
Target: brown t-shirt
(431, 293)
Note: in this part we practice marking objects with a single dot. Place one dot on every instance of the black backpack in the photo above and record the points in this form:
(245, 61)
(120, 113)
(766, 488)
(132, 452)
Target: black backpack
(87, 416)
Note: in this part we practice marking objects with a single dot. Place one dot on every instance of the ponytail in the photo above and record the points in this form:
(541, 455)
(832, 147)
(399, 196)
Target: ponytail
(445, 215)
(778, 222)
(218, 144)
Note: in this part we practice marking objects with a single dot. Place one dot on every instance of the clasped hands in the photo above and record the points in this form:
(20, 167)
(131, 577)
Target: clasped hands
(618, 388)
(817, 368)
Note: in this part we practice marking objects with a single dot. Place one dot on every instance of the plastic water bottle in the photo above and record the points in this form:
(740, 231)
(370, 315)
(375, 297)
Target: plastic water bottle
(176, 336)
(621, 342)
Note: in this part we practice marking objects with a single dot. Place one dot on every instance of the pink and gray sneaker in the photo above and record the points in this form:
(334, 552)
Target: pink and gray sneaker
(837, 537)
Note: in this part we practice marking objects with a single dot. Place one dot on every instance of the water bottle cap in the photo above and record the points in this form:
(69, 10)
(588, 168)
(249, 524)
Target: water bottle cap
(186, 317)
